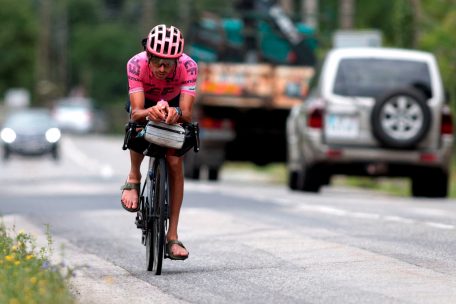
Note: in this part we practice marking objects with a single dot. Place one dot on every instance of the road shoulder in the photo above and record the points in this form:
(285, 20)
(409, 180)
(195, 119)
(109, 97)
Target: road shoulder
(96, 279)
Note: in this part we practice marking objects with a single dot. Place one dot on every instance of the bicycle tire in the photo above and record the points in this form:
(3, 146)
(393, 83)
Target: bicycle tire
(159, 219)
(148, 219)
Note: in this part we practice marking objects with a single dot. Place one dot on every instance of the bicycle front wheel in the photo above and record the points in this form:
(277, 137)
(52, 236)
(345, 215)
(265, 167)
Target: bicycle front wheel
(157, 235)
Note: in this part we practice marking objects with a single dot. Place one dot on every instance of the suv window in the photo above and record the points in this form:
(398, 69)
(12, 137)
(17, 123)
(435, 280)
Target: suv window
(369, 77)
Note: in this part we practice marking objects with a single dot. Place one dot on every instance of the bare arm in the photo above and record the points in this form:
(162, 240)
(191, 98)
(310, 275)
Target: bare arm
(186, 104)
(138, 113)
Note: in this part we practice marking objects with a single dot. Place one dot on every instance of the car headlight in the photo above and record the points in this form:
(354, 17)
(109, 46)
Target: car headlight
(53, 135)
(8, 135)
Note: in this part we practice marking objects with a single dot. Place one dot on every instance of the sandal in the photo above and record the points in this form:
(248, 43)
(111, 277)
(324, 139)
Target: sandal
(172, 256)
(130, 186)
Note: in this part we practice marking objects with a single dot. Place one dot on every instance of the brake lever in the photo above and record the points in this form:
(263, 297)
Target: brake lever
(196, 130)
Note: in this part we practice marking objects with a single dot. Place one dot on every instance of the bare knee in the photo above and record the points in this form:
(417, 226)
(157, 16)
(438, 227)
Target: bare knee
(175, 164)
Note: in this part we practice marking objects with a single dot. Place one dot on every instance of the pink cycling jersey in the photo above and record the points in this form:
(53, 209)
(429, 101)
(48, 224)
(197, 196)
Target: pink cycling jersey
(182, 78)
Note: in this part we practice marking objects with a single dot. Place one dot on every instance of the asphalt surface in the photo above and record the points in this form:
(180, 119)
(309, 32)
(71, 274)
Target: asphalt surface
(250, 241)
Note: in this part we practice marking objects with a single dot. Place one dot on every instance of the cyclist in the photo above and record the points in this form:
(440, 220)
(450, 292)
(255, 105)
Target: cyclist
(162, 82)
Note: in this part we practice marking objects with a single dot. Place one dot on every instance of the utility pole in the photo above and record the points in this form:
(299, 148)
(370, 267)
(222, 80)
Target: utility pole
(346, 14)
(417, 18)
(309, 13)
(287, 6)
(43, 55)
(62, 47)
(148, 16)
(184, 14)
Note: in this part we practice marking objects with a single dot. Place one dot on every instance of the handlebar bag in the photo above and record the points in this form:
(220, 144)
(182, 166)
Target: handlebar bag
(165, 135)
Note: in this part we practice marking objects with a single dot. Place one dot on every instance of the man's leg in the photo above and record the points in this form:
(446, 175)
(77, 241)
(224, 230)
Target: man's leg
(176, 181)
(130, 198)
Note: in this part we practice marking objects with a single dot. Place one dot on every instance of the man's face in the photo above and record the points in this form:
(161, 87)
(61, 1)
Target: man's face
(161, 66)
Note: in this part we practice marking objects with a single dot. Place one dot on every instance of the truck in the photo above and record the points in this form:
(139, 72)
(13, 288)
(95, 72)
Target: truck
(252, 71)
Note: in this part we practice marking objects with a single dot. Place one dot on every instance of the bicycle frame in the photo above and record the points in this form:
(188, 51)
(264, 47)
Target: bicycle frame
(153, 215)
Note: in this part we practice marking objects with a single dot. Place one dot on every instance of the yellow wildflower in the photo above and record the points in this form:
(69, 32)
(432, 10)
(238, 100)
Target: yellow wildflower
(29, 257)
(33, 280)
(17, 263)
(9, 258)
(14, 248)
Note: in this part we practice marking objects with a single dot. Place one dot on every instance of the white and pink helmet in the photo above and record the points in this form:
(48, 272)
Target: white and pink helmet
(165, 42)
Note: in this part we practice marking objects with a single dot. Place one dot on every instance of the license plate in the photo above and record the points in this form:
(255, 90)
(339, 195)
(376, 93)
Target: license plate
(346, 126)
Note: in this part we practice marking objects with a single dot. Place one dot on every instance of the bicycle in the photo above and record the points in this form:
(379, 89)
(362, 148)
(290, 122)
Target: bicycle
(153, 214)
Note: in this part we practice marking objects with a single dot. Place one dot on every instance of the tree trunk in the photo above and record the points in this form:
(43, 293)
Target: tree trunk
(417, 18)
(309, 9)
(287, 6)
(44, 47)
(148, 16)
(346, 14)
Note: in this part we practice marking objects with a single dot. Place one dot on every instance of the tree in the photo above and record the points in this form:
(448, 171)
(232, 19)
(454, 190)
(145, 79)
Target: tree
(18, 44)
(437, 36)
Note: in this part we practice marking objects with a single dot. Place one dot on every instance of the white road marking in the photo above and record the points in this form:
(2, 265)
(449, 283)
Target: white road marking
(294, 204)
(90, 164)
(440, 225)
(399, 219)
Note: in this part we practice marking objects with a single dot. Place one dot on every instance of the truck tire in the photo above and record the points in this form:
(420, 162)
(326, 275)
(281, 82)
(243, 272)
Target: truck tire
(430, 183)
(191, 167)
(401, 118)
(192, 173)
(293, 180)
(213, 174)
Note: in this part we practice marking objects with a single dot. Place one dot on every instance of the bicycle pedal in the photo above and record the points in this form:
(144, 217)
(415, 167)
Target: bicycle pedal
(139, 223)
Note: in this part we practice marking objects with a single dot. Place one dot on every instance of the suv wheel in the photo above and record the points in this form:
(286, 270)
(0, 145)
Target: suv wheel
(310, 179)
(401, 118)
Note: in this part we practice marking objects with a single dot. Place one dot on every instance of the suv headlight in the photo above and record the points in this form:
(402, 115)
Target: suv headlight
(8, 135)
(53, 135)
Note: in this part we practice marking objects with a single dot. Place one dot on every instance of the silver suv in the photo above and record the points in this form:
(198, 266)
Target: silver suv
(373, 112)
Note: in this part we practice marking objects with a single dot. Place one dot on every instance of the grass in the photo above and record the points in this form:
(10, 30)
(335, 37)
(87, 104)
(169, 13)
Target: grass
(26, 273)
(277, 173)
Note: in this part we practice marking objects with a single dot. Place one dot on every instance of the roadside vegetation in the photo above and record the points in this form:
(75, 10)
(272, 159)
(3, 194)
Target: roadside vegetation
(277, 174)
(26, 273)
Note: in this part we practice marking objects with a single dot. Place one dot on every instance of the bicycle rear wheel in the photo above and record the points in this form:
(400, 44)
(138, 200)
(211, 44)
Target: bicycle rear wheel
(155, 238)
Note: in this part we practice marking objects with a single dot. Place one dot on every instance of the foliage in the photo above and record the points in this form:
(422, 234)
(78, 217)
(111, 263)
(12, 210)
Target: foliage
(438, 37)
(26, 274)
(17, 44)
(98, 37)
(99, 61)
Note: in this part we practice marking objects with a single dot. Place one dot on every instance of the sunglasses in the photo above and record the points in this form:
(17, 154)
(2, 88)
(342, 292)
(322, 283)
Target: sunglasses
(158, 62)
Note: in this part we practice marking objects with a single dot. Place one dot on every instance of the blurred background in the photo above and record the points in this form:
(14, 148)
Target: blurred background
(55, 49)
(70, 55)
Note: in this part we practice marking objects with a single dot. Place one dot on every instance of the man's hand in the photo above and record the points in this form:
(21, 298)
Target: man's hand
(159, 112)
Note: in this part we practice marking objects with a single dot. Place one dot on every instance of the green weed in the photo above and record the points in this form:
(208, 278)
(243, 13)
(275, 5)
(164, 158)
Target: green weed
(26, 273)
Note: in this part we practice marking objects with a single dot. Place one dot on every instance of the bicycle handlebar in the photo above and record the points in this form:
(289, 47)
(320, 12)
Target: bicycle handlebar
(132, 126)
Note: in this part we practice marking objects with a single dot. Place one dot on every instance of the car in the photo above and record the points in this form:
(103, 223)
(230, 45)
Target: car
(77, 115)
(30, 132)
(373, 112)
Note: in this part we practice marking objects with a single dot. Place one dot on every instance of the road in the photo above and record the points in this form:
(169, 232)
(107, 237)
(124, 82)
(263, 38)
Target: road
(250, 241)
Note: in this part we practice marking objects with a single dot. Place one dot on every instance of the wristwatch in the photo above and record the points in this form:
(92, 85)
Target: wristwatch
(178, 111)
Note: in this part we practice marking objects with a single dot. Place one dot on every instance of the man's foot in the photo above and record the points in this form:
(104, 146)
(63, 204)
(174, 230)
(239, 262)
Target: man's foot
(130, 196)
(176, 250)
